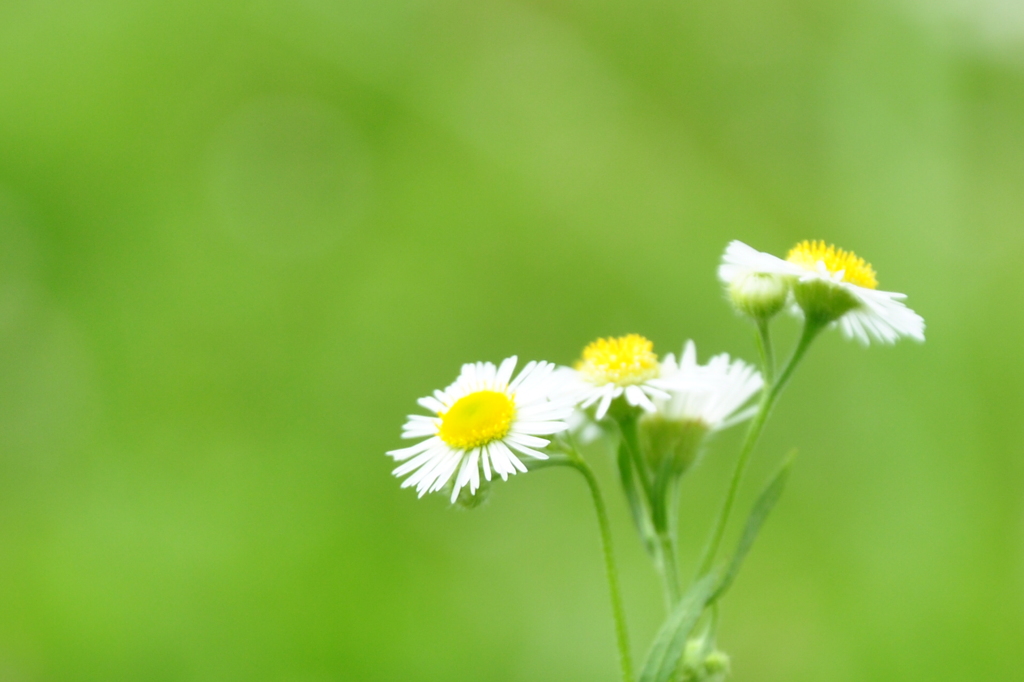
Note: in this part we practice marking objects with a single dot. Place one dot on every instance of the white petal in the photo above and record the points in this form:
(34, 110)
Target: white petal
(882, 316)
(485, 459)
(510, 456)
(608, 395)
(740, 260)
(508, 365)
(524, 439)
(635, 396)
(540, 428)
(417, 462)
(432, 404)
(519, 447)
(405, 453)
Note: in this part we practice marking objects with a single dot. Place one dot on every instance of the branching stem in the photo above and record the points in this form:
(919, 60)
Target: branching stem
(773, 387)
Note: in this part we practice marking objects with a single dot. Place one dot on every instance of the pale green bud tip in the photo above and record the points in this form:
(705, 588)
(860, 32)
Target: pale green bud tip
(717, 662)
(701, 665)
(693, 654)
(759, 295)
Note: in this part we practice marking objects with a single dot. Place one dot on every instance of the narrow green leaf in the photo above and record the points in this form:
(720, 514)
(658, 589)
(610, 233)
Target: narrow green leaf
(769, 496)
(670, 643)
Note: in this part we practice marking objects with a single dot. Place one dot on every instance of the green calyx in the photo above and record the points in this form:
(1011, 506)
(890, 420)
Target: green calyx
(670, 445)
(823, 302)
(758, 295)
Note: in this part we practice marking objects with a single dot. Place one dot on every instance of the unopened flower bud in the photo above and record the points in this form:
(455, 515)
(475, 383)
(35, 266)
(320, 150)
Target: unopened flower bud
(717, 663)
(703, 663)
(693, 654)
(759, 295)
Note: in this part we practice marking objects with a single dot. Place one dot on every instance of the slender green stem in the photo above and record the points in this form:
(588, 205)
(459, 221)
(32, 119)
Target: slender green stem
(628, 433)
(811, 330)
(764, 348)
(665, 547)
(618, 610)
(669, 570)
(628, 465)
(737, 475)
(768, 397)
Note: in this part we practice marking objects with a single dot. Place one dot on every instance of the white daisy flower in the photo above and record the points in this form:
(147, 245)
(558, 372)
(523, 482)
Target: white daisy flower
(625, 366)
(830, 285)
(702, 399)
(484, 420)
(712, 394)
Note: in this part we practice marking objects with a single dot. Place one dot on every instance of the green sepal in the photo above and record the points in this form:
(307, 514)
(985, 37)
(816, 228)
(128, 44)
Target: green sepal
(823, 302)
(668, 447)
(764, 505)
(673, 441)
(670, 642)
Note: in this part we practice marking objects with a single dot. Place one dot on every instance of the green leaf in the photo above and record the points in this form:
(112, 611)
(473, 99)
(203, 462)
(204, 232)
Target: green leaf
(758, 514)
(670, 643)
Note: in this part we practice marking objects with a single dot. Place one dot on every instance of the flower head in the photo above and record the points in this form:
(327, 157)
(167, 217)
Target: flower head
(712, 394)
(485, 420)
(830, 285)
(622, 366)
(702, 399)
(833, 263)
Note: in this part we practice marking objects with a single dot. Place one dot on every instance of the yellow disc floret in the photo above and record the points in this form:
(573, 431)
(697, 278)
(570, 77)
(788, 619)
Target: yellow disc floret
(477, 419)
(623, 361)
(855, 269)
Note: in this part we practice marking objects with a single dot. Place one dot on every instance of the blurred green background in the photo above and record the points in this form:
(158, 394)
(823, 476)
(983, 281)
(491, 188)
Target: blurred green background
(239, 239)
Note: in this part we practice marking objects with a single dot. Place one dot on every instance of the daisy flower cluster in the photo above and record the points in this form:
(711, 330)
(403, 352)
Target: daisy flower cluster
(486, 423)
(658, 415)
(827, 284)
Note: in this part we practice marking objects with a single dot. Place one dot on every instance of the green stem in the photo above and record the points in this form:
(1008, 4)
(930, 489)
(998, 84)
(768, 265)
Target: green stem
(669, 570)
(618, 610)
(764, 348)
(656, 498)
(628, 433)
(769, 395)
(811, 330)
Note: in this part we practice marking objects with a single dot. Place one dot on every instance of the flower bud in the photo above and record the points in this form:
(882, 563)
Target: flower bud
(759, 295)
(717, 663)
(694, 652)
(703, 663)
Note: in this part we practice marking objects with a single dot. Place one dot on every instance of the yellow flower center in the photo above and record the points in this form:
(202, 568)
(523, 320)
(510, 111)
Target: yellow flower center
(623, 361)
(477, 419)
(855, 269)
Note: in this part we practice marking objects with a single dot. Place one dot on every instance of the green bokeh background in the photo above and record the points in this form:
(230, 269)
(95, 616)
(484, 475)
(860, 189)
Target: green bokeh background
(238, 239)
